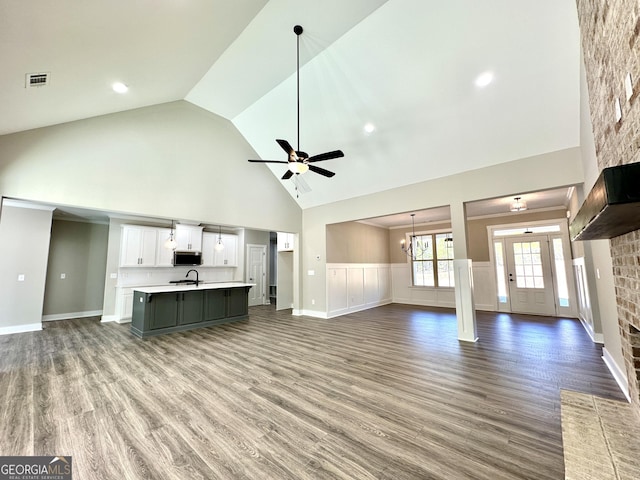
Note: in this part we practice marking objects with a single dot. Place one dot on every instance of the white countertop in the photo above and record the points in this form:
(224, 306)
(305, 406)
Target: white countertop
(183, 288)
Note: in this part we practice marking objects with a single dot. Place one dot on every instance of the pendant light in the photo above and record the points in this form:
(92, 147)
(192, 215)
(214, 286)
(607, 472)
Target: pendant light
(219, 246)
(171, 243)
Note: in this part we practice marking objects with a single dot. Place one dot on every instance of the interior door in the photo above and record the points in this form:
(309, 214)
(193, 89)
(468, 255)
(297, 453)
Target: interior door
(529, 275)
(256, 273)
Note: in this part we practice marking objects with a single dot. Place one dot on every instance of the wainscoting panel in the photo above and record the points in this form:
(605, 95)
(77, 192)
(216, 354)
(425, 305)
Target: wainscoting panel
(337, 292)
(352, 287)
(403, 292)
(585, 313)
(485, 291)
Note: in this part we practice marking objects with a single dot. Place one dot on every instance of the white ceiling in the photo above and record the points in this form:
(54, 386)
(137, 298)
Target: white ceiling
(407, 66)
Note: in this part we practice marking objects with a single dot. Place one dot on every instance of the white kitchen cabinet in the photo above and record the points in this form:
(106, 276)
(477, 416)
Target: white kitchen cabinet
(285, 242)
(124, 304)
(138, 246)
(164, 255)
(208, 242)
(228, 257)
(189, 238)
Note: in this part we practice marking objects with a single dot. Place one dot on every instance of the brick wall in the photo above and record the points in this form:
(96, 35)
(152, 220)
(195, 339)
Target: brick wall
(610, 31)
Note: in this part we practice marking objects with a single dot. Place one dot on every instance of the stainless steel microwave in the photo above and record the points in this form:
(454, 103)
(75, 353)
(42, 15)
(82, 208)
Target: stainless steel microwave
(187, 258)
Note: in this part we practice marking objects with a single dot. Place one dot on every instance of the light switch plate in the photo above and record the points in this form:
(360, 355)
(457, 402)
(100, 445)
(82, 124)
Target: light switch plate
(21, 278)
(113, 275)
(311, 273)
(63, 276)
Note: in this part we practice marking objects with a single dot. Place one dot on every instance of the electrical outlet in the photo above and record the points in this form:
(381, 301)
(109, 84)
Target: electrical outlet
(313, 301)
(63, 276)
(113, 275)
(21, 277)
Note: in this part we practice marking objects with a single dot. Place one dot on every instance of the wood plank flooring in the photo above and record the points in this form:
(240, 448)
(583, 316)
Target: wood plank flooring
(388, 393)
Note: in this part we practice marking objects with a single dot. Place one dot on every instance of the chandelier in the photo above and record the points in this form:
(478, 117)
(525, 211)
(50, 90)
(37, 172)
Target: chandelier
(415, 248)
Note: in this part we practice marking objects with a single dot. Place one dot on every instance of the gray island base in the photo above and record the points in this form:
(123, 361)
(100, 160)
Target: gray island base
(165, 309)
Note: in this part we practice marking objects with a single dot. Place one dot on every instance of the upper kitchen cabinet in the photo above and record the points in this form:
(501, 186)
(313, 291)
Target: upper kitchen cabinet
(164, 255)
(285, 242)
(227, 257)
(189, 238)
(138, 246)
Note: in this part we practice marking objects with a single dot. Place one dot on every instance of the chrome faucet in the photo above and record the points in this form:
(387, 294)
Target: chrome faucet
(197, 276)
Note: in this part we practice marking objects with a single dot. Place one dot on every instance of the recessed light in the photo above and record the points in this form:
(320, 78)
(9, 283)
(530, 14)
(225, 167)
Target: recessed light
(484, 79)
(119, 87)
(369, 128)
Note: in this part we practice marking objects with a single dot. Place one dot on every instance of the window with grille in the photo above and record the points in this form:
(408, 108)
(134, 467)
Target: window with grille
(432, 260)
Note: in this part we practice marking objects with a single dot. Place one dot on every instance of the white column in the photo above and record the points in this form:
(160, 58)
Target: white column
(463, 274)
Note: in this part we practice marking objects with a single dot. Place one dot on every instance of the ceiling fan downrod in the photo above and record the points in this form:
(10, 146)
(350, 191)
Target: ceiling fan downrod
(298, 31)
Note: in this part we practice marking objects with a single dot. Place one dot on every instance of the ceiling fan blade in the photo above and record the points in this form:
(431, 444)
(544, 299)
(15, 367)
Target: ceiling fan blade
(286, 147)
(326, 156)
(268, 161)
(287, 175)
(321, 171)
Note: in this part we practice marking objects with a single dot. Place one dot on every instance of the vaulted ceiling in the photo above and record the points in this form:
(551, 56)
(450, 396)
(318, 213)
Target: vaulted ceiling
(407, 67)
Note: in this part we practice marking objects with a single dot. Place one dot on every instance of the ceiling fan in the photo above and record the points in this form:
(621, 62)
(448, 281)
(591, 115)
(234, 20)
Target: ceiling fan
(299, 161)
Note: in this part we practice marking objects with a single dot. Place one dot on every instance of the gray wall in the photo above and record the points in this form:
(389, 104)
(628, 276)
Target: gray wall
(24, 238)
(79, 250)
(173, 160)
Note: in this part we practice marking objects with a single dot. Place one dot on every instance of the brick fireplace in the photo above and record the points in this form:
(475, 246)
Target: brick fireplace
(610, 35)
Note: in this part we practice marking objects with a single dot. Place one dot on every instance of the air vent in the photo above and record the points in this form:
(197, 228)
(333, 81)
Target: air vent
(37, 80)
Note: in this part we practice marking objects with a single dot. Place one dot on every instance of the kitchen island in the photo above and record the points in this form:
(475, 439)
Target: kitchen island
(173, 308)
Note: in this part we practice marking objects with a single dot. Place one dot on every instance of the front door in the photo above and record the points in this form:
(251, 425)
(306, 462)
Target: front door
(529, 275)
(256, 273)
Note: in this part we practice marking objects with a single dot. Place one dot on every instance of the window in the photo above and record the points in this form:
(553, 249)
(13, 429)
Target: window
(501, 279)
(528, 263)
(561, 274)
(432, 263)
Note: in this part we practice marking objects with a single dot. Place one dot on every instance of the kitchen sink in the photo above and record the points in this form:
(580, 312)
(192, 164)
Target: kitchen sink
(184, 282)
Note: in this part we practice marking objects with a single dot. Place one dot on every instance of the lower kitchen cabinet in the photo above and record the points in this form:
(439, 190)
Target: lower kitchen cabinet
(158, 313)
(215, 305)
(164, 311)
(190, 307)
(237, 303)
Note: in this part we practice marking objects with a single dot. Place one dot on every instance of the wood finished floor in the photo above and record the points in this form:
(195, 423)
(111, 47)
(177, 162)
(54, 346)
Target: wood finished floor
(388, 393)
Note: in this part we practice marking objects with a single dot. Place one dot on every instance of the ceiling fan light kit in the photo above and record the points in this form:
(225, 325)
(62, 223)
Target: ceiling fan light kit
(298, 161)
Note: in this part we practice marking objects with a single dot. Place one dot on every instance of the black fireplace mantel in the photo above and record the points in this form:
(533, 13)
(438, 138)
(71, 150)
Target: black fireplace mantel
(612, 207)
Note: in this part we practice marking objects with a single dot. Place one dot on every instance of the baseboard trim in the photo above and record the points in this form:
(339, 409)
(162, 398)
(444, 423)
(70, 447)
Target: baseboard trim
(31, 327)
(358, 308)
(309, 313)
(109, 318)
(595, 337)
(70, 315)
(618, 374)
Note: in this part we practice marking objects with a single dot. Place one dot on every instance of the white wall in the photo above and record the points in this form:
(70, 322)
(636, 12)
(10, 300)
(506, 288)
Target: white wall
(24, 248)
(529, 174)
